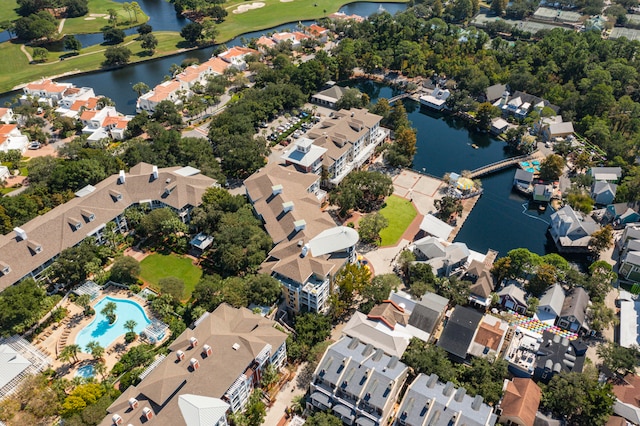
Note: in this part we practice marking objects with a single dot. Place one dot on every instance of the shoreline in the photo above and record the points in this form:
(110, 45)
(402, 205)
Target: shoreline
(230, 37)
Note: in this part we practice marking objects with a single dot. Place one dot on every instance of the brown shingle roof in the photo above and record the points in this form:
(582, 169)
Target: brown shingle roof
(223, 328)
(389, 313)
(629, 390)
(489, 335)
(54, 232)
(521, 400)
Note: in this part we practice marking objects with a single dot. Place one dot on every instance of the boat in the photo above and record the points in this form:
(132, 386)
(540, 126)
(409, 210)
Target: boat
(474, 146)
(527, 191)
(542, 207)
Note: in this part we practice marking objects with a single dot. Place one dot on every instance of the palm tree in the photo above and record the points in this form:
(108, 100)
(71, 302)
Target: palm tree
(96, 350)
(140, 88)
(109, 311)
(100, 368)
(130, 325)
(65, 355)
(70, 351)
(298, 404)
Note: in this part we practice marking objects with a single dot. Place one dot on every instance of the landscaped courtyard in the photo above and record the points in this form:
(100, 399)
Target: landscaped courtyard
(400, 212)
(157, 266)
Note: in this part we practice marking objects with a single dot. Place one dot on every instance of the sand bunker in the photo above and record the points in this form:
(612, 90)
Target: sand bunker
(247, 7)
(286, 1)
(97, 15)
(89, 19)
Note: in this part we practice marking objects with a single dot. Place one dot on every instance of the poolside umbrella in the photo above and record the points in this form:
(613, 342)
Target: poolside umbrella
(464, 184)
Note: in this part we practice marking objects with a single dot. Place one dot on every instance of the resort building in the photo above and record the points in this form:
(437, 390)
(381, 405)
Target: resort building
(445, 258)
(103, 123)
(459, 331)
(309, 248)
(619, 214)
(436, 100)
(482, 283)
(45, 91)
(629, 246)
(165, 91)
(571, 231)
(12, 139)
(320, 33)
(603, 193)
(512, 297)
(30, 249)
(499, 125)
(6, 116)
(520, 104)
(393, 323)
(627, 394)
(553, 128)
(433, 226)
(519, 403)
(76, 98)
(574, 311)
(551, 304)
(358, 382)
(431, 402)
(329, 97)
(606, 174)
(541, 356)
(350, 138)
(211, 368)
(19, 359)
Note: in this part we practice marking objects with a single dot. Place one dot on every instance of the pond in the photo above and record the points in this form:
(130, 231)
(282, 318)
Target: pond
(500, 219)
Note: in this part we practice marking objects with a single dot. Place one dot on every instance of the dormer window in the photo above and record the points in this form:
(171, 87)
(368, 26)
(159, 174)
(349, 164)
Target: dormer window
(4, 268)
(117, 196)
(34, 246)
(169, 188)
(74, 223)
(88, 216)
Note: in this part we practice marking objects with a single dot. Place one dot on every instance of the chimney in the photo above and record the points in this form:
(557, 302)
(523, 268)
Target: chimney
(193, 342)
(305, 250)
(147, 413)
(116, 419)
(179, 355)
(448, 389)
(477, 402)
(460, 393)
(276, 189)
(287, 206)
(207, 350)
(299, 225)
(431, 382)
(121, 177)
(194, 364)
(133, 403)
(154, 172)
(22, 234)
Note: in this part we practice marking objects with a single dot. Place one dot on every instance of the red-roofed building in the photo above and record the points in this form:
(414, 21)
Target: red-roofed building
(6, 115)
(236, 56)
(46, 91)
(11, 138)
(318, 32)
(520, 402)
(166, 91)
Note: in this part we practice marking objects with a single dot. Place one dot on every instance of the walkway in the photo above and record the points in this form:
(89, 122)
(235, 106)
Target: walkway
(26, 53)
(61, 25)
(398, 97)
(499, 165)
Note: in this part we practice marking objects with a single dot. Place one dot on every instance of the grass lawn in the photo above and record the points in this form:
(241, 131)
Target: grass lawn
(8, 10)
(157, 266)
(400, 213)
(81, 25)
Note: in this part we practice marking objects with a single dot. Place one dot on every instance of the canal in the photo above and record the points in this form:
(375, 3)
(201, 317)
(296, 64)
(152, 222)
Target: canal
(500, 219)
(117, 84)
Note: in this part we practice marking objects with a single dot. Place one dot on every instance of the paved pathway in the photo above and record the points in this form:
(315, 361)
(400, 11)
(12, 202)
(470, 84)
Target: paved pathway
(61, 25)
(284, 398)
(23, 49)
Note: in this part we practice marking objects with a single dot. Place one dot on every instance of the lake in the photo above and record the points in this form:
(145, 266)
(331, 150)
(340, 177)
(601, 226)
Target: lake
(500, 219)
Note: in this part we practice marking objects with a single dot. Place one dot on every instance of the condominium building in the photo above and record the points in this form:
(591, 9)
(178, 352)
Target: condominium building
(211, 369)
(31, 248)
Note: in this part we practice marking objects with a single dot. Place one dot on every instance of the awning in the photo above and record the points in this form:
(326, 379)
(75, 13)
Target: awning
(321, 398)
(365, 421)
(344, 411)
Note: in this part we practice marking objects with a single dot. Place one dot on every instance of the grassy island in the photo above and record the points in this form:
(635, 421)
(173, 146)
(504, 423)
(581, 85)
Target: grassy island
(16, 70)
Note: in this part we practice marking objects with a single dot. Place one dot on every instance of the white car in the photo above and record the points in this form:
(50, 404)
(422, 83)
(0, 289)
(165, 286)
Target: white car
(34, 145)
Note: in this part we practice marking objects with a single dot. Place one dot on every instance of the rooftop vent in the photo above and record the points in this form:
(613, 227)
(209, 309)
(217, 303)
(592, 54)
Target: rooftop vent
(194, 364)
(168, 180)
(305, 250)
(133, 403)
(207, 350)
(287, 206)
(4, 268)
(147, 413)
(299, 225)
(21, 233)
(116, 419)
(300, 243)
(276, 189)
(236, 346)
(154, 172)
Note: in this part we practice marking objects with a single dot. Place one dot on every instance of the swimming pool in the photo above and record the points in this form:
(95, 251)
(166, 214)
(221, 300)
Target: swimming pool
(104, 333)
(86, 372)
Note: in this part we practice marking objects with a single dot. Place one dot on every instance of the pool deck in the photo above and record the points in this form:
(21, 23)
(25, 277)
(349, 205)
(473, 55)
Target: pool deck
(53, 339)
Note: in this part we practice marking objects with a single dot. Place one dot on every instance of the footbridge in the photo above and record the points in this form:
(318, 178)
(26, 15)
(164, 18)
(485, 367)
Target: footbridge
(398, 97)
(499, 165)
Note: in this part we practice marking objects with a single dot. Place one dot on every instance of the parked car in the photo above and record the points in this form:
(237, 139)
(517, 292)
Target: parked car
(34, 145)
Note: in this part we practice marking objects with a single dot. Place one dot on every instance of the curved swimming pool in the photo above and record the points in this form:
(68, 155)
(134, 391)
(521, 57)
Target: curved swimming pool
(104, 333)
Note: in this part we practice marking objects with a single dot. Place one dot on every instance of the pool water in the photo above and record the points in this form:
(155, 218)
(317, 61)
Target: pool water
(86, 371)
(104, 333)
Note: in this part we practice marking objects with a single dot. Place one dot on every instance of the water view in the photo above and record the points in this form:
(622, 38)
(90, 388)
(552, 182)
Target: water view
(500, 220)
(104, 333)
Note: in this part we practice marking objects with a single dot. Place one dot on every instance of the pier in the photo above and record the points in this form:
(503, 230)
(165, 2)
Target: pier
(500, 165)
